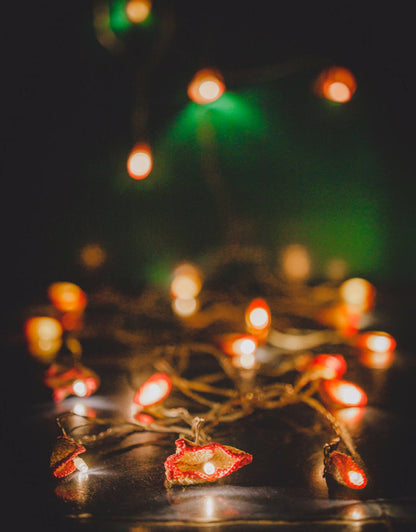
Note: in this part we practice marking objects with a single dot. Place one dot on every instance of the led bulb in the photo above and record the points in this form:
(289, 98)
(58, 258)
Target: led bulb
(80, 464)
(154, 390)
(139, 162)
(206, 86)
(80, 388)
(209, 468)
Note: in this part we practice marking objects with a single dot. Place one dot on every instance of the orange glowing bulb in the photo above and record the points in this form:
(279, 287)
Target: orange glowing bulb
(238, 344)
(154, 390)
(377, 359)
(42, 328)
(358, 293)
(341, 392)
(187, 282)
(67, 297)
(140, 162)
(296, 263)
(377, 341)
(137, 11)
(206, 86)
(343, 468)
(330, 366)
(258, 317)
(336, 84)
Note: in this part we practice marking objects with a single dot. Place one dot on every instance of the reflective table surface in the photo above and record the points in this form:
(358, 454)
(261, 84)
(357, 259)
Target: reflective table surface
(283, 487)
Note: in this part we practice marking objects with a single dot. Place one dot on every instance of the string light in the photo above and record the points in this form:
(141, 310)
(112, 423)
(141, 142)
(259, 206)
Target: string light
(206, 86)
(155, 390)
(336, 84)
(186, 282)
(258, 317)
(329, 366)
(377, 341)
(67, 297)
(137, 11)
(44, 337)
(358, 293)
(140, 161)
(296, 263)
(238, 344)
(342, 392)
(345, 471)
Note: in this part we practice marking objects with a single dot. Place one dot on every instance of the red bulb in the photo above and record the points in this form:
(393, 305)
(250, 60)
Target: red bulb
(343, 393)
(333, 366)
(345, 471)
(154, 390)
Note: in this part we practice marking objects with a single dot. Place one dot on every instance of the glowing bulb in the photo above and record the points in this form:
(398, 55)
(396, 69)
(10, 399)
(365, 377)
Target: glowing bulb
(209, 468)
(336, 84)
(206, 86)
(356, 478)
(296, 263)
(332, 366)
(258, 316)
(377, 341)
(92, 256)
(79, 409)
(67, 297)
(358, 293)
(154, 390)
(42, 328)
(139, 163)
(137, 11)
(238, 344)
(80, 464)
(185, 307)
(187, 281)
(80, 388)
(343, 393)
(338, 92)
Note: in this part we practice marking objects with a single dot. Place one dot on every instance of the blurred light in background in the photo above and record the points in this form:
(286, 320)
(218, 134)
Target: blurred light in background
(137, 11)
(140, 161)
(206, 86)
(336, 84)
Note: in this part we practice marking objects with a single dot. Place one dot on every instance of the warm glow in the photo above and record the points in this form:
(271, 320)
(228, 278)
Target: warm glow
(358, 293)
(185, 307)
(187, 281)
(138, 10)
(42, 328)
(80, 388)
(154, 390)
(80, 464)
(338, 92)
(343, 393)
(330, 366)
(350, 416)
(92, 256)
(337, 84)
(139, 163)
(67, 297)
(206, 86)
(356, 478)
(258, 315)
(377, 341)
(238, 344)
(296, 264)
(209, 468)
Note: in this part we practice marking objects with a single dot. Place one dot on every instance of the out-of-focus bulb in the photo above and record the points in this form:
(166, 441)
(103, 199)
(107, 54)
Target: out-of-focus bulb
(140, 162)
(336, 84)
(206, 86)
(377, 341)
(154, 390)
(185, 307)
(137, 11)
(67, 297)
(358, 293)
(296, 263)
(186, 282)
(342, 392)
(258, 317)
(80, 388)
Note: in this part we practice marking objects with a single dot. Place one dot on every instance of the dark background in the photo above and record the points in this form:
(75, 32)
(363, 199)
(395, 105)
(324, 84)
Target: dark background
(338, 179)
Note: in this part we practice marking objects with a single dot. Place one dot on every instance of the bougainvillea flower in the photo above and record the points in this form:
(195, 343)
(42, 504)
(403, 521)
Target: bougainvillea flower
(195, 464)
(63, 455)
(77, 380)
(345, 471)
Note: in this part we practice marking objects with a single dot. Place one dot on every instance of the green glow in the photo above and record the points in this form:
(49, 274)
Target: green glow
(118, 18)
